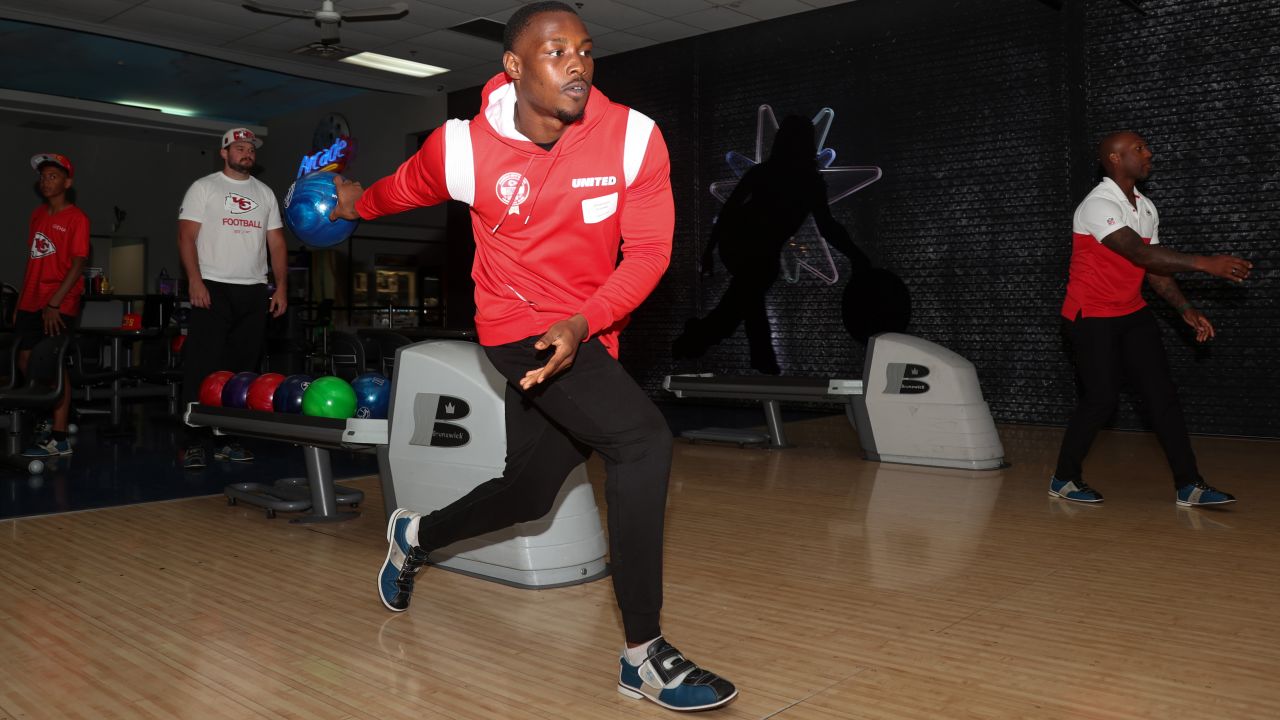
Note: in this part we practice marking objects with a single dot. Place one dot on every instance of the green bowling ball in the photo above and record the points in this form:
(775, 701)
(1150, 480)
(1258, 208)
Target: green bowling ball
(329, 397)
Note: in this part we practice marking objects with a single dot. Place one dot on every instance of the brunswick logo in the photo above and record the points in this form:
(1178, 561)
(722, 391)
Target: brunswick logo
(447, 435)
(904, 379)
(429, 411)
(452, 408)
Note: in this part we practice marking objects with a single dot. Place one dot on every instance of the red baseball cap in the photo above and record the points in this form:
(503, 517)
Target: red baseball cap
(235, 135)
(60, 160)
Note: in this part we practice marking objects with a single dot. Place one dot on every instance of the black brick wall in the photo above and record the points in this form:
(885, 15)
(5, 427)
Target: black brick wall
(1201, 81)
(964, 110)
(977, 114)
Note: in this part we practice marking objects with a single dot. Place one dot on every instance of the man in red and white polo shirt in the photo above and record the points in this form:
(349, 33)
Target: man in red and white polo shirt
(1115, 245)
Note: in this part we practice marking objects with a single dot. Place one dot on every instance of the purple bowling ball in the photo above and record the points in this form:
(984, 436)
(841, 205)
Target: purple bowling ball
(235, 394)
(288, 396)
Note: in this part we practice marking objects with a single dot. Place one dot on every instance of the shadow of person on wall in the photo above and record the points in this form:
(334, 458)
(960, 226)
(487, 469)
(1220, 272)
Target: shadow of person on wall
(765, 210)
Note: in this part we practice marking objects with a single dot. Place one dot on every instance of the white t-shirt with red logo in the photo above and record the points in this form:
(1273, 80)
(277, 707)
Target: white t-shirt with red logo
(234, 217)
(1102, 282)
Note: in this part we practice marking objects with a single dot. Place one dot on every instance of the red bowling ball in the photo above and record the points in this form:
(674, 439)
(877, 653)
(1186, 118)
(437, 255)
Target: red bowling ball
(211, 388)
(262, 392)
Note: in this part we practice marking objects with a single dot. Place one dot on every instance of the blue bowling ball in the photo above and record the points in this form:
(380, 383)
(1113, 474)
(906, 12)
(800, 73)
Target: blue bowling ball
(288, 395)
(373, 395)
(306, 210)
(235, 394)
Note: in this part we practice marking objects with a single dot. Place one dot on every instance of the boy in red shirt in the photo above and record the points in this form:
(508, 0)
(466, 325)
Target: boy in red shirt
(51, 290)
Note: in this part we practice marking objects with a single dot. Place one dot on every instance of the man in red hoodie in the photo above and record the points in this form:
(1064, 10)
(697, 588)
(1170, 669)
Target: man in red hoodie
(556, 176)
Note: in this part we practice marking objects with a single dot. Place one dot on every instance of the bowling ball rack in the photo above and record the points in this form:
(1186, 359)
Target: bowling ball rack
(317, 492)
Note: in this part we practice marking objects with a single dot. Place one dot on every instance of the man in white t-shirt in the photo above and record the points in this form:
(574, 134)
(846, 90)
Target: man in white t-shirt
(1113, 334)
(228, 225)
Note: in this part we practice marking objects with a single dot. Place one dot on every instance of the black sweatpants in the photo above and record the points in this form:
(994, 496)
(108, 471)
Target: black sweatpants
(551, 429)
(227, 335)
(1106, 350)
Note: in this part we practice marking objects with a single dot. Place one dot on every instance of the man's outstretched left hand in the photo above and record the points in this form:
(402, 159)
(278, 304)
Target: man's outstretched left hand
(1201, 324)
(565, 336)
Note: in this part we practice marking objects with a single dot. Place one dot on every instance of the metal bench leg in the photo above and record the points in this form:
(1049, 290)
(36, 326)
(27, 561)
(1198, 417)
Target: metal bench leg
(773, 418)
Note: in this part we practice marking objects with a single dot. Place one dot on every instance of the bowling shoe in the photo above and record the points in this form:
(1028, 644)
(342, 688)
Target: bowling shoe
(1199, 494)
(404, 560)
(193, 458)
(668, 679)
(233, 452)
(46, 446)
(1073, 490)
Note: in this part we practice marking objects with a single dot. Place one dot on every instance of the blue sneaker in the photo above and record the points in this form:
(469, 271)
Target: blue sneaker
(233, 452)
(45, 446)
(404, 560)
(1074, 490)
(1199, 494)
(673, 682)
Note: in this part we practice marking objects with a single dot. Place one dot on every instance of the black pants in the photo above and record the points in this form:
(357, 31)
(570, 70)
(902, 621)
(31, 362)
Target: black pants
(227, 335)
(29, 327)
(1106, 350)
(551, 429)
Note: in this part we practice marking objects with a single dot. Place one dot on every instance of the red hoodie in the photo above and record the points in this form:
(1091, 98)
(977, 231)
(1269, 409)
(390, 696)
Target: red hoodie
(548, 224)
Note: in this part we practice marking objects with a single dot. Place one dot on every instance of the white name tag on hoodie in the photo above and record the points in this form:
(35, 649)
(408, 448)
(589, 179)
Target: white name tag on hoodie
(596, 209)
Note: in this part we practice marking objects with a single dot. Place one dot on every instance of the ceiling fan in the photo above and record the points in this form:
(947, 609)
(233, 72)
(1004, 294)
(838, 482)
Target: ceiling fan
(328, 18)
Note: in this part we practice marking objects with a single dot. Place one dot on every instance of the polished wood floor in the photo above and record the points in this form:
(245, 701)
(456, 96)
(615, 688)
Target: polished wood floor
(824, 586)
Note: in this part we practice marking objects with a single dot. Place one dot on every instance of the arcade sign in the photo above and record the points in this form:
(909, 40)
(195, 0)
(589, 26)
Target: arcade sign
(333, 158)
(332, 146)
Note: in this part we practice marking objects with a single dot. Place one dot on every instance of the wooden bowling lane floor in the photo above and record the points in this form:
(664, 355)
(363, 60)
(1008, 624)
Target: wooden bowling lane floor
(824, 586)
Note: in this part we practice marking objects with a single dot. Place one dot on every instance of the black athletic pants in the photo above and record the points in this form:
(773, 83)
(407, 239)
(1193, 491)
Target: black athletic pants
(1107, 349)
(551, 429)
(227, 335)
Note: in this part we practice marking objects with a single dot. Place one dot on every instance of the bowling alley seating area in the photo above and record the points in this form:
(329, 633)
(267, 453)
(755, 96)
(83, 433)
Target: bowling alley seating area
(124, 363)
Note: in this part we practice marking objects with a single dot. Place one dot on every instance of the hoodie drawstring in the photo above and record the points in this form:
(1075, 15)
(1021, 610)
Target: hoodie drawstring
(533, 202)
(514, 194)
(555, 155)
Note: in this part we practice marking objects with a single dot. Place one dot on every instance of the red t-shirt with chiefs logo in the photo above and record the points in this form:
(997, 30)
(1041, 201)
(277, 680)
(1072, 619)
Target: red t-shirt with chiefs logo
(56, 239)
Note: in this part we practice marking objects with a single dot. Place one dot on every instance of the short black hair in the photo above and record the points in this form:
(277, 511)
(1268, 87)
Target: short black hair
(521, 18)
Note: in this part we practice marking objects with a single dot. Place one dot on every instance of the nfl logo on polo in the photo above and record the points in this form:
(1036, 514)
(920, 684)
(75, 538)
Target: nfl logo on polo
(1111, 221)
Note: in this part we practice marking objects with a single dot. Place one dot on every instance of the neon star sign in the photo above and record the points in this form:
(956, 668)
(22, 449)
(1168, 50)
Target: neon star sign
(806, 251)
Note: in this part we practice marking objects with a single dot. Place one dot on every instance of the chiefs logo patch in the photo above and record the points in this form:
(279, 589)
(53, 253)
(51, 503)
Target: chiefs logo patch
(513, 190)
(42, 246)
(238, 204)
